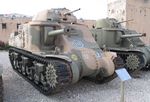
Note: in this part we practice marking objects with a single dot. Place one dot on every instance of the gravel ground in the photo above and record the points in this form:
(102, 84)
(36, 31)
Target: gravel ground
(16, 89)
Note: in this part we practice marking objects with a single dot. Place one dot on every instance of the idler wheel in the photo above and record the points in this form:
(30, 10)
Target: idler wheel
(119, 62)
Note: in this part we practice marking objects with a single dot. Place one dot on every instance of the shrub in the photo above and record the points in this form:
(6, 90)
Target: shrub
(4, 46)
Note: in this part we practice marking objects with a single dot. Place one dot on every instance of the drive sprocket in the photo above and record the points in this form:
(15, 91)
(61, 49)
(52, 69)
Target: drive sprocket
(133, 62)
(51, 76)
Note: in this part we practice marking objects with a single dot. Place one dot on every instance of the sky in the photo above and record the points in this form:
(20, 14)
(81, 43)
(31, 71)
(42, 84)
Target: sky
(90, 9)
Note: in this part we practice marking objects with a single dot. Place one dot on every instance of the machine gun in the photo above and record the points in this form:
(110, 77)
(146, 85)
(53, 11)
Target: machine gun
(117, 24)
(68, 13)
(124, 21)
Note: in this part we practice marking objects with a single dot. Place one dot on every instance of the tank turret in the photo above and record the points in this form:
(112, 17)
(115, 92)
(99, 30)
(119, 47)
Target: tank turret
(126, 43)
(53, 51)
(56, 15)
(109, 23)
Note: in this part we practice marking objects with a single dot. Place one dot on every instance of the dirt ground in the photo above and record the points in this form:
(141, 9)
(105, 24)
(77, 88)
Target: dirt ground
(16, 89)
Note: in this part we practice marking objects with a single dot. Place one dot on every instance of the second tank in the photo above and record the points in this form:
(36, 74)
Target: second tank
(110, 35)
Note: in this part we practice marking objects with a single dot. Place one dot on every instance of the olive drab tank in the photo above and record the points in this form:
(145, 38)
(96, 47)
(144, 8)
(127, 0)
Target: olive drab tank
(109, 34)
(53, 51)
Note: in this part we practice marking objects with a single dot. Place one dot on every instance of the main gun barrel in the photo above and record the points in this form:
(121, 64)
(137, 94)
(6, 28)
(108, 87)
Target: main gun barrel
(133, 35)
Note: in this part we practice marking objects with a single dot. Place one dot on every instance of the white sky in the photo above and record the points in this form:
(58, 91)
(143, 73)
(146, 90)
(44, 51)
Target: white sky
(90, 9)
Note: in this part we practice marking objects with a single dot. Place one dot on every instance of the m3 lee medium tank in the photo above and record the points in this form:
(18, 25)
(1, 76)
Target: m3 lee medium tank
(126, 43)
(53, 51)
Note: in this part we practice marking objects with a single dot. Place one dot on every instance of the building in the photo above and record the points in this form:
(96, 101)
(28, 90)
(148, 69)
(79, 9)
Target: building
(137, 11)
(10, 23)
(88, 23)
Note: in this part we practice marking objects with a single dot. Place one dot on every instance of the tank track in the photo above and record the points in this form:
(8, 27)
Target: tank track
(48, 75)
(139, 64)
(1, 89)
(120, 62)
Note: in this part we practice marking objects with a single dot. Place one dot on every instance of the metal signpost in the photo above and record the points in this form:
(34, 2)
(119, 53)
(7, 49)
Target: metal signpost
(124, 76)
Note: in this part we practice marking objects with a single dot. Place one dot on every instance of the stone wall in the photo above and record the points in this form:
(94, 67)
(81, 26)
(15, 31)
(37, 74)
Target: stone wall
(117, 9)
(8, 25)
(139, 11)
(136, 10)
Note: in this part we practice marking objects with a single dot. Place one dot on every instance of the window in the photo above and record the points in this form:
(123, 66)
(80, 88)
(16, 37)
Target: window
(18, 25)
(3, 25)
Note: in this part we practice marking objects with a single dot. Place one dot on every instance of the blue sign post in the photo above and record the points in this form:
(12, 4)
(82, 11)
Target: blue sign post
(124, 76)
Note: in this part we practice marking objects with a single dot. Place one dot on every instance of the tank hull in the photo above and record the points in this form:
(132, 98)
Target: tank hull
(43, 73)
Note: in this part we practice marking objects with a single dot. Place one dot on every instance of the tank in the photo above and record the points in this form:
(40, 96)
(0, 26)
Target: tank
(1, 84)
(54, 51)
(110, 35)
